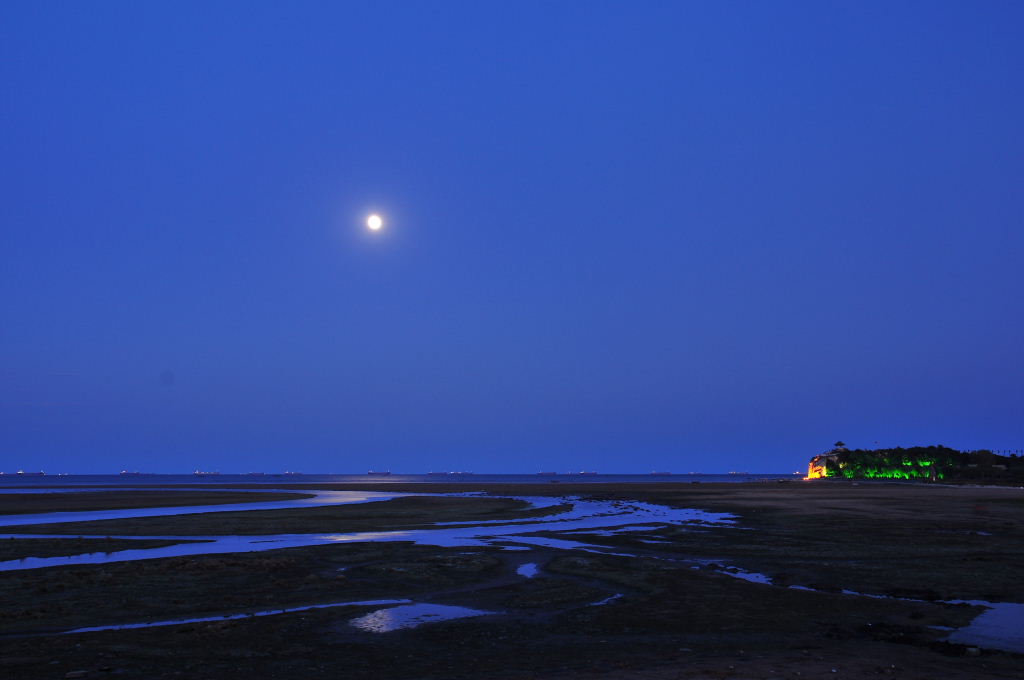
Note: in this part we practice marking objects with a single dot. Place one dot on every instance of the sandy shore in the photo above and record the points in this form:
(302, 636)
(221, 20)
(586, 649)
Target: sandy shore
(679, 614)
(15, 501)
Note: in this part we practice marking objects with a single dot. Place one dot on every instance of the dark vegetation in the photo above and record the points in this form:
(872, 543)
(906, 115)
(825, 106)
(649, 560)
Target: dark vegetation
(920, 462)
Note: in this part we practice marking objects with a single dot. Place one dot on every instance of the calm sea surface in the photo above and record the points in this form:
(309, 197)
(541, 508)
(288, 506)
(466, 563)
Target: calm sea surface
(463, 478)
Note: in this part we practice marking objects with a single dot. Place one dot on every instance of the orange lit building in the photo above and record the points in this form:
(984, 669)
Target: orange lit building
(818, 467)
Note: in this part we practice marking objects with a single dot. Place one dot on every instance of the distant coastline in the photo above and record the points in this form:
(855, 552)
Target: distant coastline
(223, 479)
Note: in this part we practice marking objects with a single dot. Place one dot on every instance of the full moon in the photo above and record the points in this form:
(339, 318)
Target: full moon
(374, 222)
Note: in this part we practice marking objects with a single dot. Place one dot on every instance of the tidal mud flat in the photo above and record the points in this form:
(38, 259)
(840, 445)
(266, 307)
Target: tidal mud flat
(768, 580)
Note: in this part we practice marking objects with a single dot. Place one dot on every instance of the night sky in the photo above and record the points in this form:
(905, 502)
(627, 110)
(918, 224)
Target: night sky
(624, 237)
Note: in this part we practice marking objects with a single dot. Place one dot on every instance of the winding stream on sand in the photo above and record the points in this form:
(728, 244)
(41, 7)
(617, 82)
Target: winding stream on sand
(317, 499)
(999, 627)
(580, 515)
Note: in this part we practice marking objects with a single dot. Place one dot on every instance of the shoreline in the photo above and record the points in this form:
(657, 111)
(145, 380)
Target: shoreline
(908, 547)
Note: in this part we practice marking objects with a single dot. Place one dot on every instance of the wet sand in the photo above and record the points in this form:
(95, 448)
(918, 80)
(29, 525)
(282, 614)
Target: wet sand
(22, 501)
(679, 613)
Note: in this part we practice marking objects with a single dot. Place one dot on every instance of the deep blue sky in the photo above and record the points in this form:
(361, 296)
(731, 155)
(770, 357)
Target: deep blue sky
(620, 236)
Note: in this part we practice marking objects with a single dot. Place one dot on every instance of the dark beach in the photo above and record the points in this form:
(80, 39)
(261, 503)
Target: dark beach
(679, 614)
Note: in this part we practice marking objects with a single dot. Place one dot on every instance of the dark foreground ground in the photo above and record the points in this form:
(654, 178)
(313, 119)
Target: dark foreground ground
(29, 503)
(674, 621)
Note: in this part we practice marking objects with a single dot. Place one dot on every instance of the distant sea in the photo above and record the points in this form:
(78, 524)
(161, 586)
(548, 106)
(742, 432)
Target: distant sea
(395, 478)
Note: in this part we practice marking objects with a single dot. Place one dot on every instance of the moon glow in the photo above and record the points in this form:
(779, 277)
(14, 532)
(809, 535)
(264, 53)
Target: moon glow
(374, 222)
